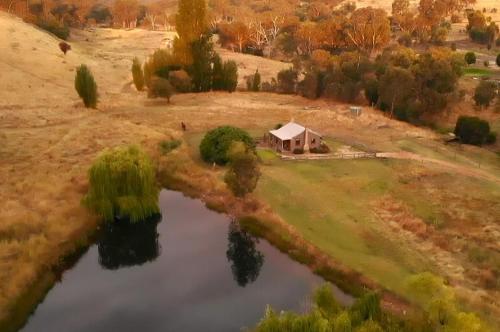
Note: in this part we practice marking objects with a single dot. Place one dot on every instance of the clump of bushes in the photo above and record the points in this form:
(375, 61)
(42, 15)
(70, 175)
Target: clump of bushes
(298, 151)
(122, 185)
(168, 146)
(160, 87)
(215, 145)
(137, 74)
(254, 82)
(55, 27)
(86, 86)
(473, 130)
(485, 93)
(470, 58)
(180, 80)
(287, 81)
(327, 315)
(323, 148)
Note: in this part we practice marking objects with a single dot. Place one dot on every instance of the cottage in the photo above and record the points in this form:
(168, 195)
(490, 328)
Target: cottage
(293, 136)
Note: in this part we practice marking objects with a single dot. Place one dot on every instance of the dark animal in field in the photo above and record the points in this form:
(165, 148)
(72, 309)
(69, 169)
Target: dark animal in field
(65, 47)
(183, 125)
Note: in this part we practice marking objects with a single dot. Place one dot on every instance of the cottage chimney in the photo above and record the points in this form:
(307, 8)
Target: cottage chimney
(306, 138)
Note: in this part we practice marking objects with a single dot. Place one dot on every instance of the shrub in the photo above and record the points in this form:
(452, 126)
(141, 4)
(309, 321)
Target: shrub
(122, 184)
(180, 80)
(325, 301)
(486, 63)
(298, 151)
(137, 74)
(453, 46)
(368, 306)
(86, 87)
(484, 93)
(473, 130)
(498, 60)
(230, 76)
(168, 146)
(160, 63)
(470, 58)
(243, 173)
(53, 26)
(216, 143)
(287, 81)
(256, 81)
(160, 87)
(323, 148)
(269, 86)
(225, 75)
(217, 74)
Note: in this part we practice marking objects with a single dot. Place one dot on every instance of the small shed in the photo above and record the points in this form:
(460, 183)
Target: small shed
(293, 136)
(355, 110)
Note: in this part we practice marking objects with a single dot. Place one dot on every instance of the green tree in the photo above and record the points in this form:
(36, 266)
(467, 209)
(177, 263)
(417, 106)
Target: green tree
(122, 184)
(256, 81)
(200, 69)
(371, 90)
(160, 63)
(215, 145)
(395, 89)
(218, 74)
(160, 87)
(473, 130)
(325, 301)
(309, 87)
(191, 24)
(470, 58)
(485, 93)
(230, 76)
(137, 74)
(287, 81)
(86, 86)
(243, 173)
(436, 76)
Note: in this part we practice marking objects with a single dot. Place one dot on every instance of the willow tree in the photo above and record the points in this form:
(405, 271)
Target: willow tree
(122, 184)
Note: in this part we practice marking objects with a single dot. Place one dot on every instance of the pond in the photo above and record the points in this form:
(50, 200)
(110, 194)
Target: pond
(191, 270)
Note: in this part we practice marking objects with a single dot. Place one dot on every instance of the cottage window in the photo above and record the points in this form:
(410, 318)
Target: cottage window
(313, 141)
(297, 142)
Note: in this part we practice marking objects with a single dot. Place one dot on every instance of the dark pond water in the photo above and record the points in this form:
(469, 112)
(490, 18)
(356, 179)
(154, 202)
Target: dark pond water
(193, 270)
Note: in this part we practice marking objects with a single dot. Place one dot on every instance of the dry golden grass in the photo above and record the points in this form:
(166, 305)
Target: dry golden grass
(48, 140)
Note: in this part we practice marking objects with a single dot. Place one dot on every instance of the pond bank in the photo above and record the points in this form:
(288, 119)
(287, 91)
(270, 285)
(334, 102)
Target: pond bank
(187, 270)
(257, 217)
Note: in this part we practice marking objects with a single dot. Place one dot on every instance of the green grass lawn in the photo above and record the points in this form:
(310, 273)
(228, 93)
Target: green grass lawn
(460, 154)
(328, 202)
(479, 72)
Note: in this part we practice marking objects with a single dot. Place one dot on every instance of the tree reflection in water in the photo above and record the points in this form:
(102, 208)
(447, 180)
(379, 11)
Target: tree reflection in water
(123, 243)
(246, 259)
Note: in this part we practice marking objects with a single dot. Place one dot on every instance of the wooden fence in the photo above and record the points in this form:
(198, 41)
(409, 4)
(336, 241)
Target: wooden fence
(350, 155)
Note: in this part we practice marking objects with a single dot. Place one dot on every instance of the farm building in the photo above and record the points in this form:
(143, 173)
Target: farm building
(293, 136)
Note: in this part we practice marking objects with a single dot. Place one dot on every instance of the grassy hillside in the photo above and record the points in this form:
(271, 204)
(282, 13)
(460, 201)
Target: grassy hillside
(48, 140)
